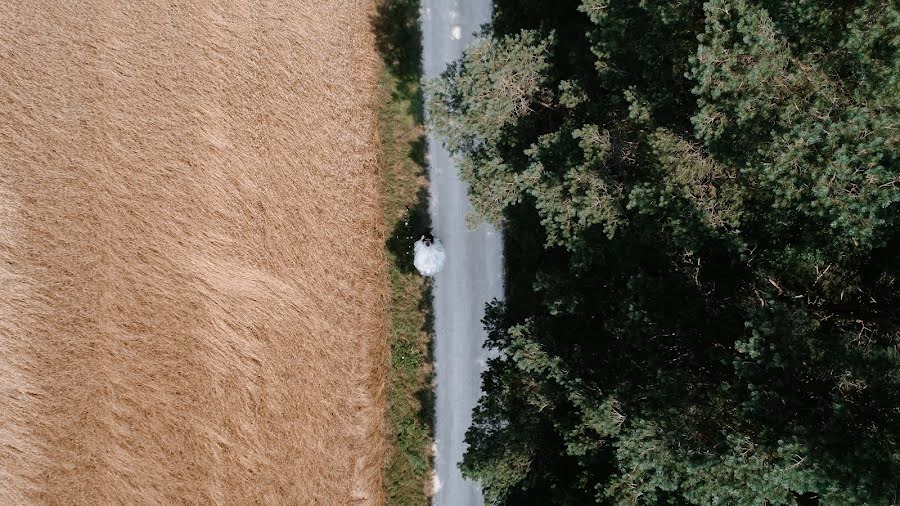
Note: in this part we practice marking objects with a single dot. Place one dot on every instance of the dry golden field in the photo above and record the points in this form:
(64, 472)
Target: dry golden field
(192, 283)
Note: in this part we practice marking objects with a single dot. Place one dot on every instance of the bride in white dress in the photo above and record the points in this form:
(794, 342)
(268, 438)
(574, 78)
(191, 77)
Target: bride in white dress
(429, 255)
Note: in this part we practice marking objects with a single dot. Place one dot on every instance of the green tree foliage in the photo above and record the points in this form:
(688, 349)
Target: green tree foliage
(702, 214)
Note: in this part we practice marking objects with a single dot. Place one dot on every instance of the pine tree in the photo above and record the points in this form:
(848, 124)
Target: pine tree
(702, 214)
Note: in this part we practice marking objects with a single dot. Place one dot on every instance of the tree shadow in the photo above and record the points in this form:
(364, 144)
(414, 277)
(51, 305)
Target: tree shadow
(418, 150)
(398, 39)
(408, 230)
(426, 396)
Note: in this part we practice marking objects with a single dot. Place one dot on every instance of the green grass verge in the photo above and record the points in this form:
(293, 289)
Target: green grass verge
(405, 197)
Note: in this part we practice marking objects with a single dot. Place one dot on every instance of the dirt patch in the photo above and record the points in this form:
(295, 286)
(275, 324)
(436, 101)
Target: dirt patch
(192, 283)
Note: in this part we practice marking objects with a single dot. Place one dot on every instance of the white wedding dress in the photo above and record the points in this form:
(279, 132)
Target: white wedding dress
(429, 260)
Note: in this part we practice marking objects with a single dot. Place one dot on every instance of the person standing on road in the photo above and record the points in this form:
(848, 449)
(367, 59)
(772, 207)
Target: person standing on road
(429, 255)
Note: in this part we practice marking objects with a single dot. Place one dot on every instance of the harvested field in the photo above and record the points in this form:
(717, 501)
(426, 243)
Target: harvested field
(192, 278)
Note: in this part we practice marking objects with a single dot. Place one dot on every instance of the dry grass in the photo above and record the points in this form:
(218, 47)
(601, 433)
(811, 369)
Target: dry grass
(192, 284)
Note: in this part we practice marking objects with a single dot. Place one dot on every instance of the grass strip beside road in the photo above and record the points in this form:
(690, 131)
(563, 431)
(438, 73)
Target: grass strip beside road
(405, 201)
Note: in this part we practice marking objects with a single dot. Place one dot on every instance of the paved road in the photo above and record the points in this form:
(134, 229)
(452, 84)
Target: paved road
(474, 271)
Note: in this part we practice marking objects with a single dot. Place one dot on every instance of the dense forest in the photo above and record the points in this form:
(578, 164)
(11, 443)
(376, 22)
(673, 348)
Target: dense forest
(701, 203)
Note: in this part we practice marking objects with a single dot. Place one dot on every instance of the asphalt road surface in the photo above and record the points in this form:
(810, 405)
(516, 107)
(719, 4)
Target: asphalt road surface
(473, 274)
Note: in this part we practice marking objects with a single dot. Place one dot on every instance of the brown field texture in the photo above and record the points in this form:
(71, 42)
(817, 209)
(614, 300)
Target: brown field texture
(192, 273)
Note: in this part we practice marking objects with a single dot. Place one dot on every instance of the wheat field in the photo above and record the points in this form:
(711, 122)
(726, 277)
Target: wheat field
(192, 282)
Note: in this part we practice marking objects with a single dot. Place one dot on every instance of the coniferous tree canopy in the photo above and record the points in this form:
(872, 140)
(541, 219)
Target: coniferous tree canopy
(702, 212)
